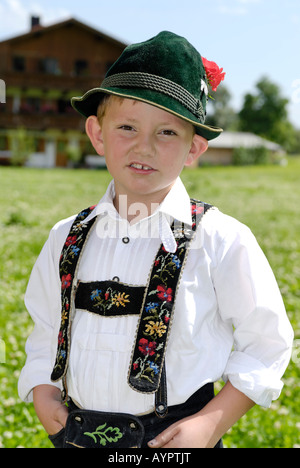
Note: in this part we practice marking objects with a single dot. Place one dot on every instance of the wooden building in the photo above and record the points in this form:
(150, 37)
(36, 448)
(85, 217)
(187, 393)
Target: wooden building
(221, 150)
(41, 71)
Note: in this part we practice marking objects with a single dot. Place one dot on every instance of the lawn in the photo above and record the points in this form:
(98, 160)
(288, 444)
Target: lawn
(32, 201)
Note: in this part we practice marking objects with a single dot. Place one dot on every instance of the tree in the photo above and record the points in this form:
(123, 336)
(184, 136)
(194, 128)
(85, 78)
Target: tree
(220, 113)
(265, 113)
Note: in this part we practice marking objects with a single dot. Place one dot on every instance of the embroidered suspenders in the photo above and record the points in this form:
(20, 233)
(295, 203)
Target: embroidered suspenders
(158, 300)
(68, 266)
(157, 310)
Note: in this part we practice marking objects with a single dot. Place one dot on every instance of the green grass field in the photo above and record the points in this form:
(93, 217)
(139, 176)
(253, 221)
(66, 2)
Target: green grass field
(265, 198)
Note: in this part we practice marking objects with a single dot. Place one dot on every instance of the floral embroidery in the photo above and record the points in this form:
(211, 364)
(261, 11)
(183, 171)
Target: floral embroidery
(153, 367)
(156, 328)
(95, 294)
(147, 348)
(164, 293)
(66, 281)
(151, 306)
(71, 240)
(109, 298)
(60, 338)
(106, 434)
(197, 209)
(120, 299)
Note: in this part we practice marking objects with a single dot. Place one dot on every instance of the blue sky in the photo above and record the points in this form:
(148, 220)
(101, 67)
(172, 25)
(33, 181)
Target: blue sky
(248, 38)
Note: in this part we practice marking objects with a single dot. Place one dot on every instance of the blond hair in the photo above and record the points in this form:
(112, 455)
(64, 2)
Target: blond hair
(104, 104)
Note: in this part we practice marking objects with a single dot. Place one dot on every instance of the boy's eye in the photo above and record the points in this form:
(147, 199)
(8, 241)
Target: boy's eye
(168, 132)
(127, 128)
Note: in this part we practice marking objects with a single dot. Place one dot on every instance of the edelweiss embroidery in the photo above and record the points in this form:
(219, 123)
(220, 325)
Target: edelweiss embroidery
(106, 434)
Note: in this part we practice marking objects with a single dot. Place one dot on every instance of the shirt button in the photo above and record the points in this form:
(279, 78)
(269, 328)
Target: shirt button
(125, 240)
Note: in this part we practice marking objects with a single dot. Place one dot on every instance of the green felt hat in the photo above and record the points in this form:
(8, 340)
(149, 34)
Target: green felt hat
(165, 71)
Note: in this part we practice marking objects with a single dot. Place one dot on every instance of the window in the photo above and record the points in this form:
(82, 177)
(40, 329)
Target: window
(31, 106)
(81, 68)
(49, 66)
(19, 63)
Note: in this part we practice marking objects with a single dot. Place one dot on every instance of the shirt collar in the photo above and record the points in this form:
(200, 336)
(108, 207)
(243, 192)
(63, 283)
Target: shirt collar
(105, 205)
(176, 205)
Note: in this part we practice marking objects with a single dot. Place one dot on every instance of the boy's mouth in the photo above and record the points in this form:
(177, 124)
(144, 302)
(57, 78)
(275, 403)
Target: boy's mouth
(141, 167)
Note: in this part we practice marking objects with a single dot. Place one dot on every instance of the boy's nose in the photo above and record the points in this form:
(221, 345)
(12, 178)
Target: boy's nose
(144, 145)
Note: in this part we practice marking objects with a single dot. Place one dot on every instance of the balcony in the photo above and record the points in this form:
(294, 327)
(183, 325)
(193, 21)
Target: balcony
(45, 82)
(41, 122)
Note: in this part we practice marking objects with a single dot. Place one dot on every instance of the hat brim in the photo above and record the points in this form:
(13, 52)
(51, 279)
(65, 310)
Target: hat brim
(88, 104)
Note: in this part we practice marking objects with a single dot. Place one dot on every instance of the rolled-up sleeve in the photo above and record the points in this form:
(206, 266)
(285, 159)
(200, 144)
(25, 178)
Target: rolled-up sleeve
(249, 298)
(42, 300)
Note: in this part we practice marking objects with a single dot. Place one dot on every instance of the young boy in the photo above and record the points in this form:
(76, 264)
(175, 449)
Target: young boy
(106, 281)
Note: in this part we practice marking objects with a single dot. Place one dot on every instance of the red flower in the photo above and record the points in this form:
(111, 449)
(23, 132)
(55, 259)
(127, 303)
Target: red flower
(197, 209)
(66, 281)
(71, 240)
(147, 348)
(164, 294)
(135, 366)
(214, 73)
(60, 338)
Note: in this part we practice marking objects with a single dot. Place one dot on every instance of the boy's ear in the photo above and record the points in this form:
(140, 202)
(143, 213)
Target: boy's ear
(199, 146)
(94, 132)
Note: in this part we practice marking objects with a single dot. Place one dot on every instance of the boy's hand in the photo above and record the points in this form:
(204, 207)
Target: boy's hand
(51, 411)
(187, 433)
(206, 428)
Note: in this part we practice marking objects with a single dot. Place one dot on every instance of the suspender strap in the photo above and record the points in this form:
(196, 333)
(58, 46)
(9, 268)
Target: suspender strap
(159, 302)
(161, 396)
(68, 266)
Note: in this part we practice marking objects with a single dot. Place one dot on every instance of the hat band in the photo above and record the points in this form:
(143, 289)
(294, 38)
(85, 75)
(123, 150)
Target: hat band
(157, 83)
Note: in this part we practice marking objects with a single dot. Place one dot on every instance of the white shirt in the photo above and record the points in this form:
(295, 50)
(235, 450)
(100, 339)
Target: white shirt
(229, 317)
